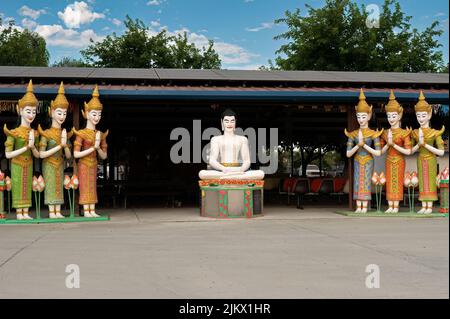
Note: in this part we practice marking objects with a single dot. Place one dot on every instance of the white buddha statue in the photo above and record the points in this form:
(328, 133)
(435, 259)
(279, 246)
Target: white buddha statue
(224, 154)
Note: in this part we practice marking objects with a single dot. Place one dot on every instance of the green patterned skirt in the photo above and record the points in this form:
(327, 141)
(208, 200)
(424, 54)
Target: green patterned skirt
(54, 184)
(21, 179)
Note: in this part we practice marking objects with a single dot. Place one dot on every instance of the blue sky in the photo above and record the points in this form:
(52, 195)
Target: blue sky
(243, 30)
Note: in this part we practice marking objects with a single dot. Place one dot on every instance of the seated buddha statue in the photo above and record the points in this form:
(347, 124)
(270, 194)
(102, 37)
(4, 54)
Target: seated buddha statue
(225, 151)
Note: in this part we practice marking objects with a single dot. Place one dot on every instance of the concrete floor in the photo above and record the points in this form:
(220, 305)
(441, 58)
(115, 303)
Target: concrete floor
(174, 253)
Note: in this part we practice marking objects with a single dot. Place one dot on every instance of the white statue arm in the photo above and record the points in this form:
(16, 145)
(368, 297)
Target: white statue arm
(434, 150)
(214, 154)
(352, 152)
(371, 150)
(31, 145)
(390, 143)
(101, 153)
(16, 153)
(80, 154)
(50, 152)
(245, 154)
(429, 147)
(402, 150)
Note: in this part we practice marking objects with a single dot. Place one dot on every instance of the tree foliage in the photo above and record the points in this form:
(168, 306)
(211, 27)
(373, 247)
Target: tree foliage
(22, 47)
(70, 62)
(137, 48)
(336, 37)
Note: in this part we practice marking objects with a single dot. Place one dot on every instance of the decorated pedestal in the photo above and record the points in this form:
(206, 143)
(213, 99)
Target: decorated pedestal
(231, 198)
(444, 197)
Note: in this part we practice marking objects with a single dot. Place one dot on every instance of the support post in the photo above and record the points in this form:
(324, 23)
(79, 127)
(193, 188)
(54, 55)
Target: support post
(76, 125)
(352, 124)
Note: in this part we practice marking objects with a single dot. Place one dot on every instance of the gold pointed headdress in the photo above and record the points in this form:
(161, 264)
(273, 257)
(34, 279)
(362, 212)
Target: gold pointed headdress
(422, 105)
(29, 99)
(60, 101)
(93, 104)
(393, 105)
(362, 106)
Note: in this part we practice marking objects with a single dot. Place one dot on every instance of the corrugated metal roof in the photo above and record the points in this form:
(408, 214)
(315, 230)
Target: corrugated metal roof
(296, 94)
(222, 75)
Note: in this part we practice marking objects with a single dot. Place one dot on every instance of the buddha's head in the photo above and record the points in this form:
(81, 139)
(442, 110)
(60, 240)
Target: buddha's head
(59, 106)
(394, 110)
(27, 105)
(93, 110)
(228, 120)
(423, 110)
(363, 110)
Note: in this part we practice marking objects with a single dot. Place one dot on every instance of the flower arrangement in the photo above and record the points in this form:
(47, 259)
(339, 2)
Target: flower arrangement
(38, 186)
(378, 181)
(411, 181)
(71, 184)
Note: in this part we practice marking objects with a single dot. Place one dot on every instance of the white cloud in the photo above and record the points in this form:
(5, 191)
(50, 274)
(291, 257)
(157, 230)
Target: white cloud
(230, 54)
(155, 24)
(440, 14)
(78, 13)
(155, 2)
(28, 12)
(244, 67)
(263, 26)
(248, 1)
(28, 24)
(56, 35)
(116, 22)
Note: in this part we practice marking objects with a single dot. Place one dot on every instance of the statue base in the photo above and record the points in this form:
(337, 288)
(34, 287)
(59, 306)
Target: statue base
(405, 214)
(54, 220)
(231, 198)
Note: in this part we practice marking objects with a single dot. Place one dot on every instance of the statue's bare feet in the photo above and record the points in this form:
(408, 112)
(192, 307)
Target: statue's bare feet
(19, 216)
(389, 210)
(26, 216)
(87, 214)
(59, 215)
(422, 211)
(395, 210)
(428, 211)
(52, 215)
(93, 214)
(358, 210)
(364, 210)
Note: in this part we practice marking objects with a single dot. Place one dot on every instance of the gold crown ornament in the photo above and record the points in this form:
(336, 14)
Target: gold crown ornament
(393, 105)
(29, 99)
(362, 106)
(93, 104)
(60, 102)
(422, 105)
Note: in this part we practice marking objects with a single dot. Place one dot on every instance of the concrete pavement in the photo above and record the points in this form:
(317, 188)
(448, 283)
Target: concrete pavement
(174, 253)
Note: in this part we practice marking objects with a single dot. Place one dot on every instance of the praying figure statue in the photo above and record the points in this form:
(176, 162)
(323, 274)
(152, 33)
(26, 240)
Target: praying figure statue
(89, 144)
(225, 151)
(359, 145)
(20, 147)
(54, 147)
(429, 143)
(396, 143)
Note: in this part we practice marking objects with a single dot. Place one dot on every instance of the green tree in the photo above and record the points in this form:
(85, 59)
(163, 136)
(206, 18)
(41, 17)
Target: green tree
(70, 62)
(24, 48)
(336, 37)
(136, 48)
